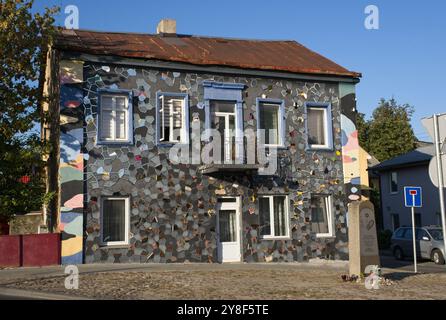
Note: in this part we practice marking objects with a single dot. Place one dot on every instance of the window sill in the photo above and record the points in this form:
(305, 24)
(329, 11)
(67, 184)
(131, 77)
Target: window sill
(325, 236)
(326, 149)
(170, 145)
(278, 147)
(115, 143)
(275, 238)
(115, 246)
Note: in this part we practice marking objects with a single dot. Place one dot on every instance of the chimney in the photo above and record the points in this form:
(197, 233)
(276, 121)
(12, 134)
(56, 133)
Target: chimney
(167, 26)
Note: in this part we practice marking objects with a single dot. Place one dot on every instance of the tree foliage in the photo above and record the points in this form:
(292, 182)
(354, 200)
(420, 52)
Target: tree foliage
(388, 133)
(24, 39)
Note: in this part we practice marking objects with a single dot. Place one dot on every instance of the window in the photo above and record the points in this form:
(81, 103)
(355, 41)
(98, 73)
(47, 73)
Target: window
(319, 126)
(114, 117)
(409, 234)
(274, 221)
(400, 233)
(115, 221)
(395, 221)
(270, 115)
(439, 221)
(418, 223)
(422, 234)
(172, 118)
(321, 215)
(393, 182)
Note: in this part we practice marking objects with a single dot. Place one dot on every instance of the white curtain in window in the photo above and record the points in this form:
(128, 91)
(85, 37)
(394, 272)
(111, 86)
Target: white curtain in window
(316, 126)
(106, 124)
(319, 214)
(227, 225)
(269, 121)
(279, 216)
(264, 212)
(120, 125)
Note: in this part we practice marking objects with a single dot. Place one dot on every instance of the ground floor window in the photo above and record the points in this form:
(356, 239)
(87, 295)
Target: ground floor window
(395, 221)
(274, 218)
(322, 215)
(418, 222)
(115, 221)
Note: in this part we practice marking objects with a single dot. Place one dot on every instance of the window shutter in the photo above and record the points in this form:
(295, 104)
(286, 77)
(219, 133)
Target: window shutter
(106, 124)
(162, 119)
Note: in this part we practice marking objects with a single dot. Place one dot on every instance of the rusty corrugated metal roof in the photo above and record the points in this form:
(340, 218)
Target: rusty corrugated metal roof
(288, 56)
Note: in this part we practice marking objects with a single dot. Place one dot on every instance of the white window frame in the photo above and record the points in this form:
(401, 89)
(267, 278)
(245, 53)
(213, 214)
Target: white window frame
(127, 118)
(184, 135)
(328, 200)
(390, 182)
(127, 222)
(272, 236)
(280, 105)
(326, 108)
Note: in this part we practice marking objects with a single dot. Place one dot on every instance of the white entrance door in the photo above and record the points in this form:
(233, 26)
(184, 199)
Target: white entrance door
(228, 230)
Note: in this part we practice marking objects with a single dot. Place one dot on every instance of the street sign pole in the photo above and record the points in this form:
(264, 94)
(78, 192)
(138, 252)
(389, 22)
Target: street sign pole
(414, 238)
(440, 175)
(413, 198)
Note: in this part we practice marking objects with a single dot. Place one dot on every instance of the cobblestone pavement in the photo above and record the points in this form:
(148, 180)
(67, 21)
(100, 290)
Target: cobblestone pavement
(257, 282)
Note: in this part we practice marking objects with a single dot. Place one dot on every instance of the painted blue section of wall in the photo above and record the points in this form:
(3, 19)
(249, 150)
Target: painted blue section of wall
(394, 203)
(72, 260)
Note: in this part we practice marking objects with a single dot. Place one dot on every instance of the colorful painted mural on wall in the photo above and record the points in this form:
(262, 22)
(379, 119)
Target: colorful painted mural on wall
(350, 142)
(71, 162)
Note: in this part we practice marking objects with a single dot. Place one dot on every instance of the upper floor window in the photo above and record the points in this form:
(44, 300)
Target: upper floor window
(115, 221)
(172, 118)
(393, 182)
(322, 216)
(114, 117)
(274, 218)
(270, 118)
(319, 126)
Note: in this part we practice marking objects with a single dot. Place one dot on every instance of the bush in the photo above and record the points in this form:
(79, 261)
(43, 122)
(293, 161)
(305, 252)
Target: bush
(384, 239)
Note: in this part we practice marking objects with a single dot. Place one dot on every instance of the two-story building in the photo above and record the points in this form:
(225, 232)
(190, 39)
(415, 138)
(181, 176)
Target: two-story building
(179, 148)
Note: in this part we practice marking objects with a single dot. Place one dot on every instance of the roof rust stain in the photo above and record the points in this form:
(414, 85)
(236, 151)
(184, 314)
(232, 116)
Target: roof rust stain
(287, 56)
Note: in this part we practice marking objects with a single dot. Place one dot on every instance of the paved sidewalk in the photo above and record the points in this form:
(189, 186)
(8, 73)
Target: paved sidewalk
(314, 280)
(13, 275)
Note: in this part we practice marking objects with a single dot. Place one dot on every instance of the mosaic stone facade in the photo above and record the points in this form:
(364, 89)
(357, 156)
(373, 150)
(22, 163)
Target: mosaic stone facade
(173, 207)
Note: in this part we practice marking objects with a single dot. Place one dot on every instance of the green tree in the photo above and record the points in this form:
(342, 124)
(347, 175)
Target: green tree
(24, 39)
(388, 133)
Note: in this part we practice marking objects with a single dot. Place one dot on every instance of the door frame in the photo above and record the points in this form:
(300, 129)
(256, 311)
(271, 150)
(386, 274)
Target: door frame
(239, 223)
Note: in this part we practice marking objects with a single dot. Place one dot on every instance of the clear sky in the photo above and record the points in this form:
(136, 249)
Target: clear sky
(404, 59)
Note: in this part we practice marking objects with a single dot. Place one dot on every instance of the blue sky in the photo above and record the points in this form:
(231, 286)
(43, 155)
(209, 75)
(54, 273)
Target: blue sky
(404, 59)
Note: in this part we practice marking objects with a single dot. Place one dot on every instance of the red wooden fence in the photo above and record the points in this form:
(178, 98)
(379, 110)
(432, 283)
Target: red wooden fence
(30, 250)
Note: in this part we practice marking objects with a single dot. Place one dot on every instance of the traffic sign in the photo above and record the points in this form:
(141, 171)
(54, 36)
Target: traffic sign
(413, 197)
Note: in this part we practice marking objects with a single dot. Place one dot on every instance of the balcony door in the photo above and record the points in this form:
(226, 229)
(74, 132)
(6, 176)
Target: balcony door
(223, 119)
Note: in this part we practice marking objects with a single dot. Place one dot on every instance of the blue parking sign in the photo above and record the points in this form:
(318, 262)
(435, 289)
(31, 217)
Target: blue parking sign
(413, 197)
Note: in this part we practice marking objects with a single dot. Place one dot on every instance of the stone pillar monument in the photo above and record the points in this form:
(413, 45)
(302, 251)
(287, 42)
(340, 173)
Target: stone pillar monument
(363, 240)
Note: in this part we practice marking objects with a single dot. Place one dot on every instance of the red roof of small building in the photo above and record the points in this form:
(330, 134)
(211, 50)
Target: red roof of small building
(287, 56)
